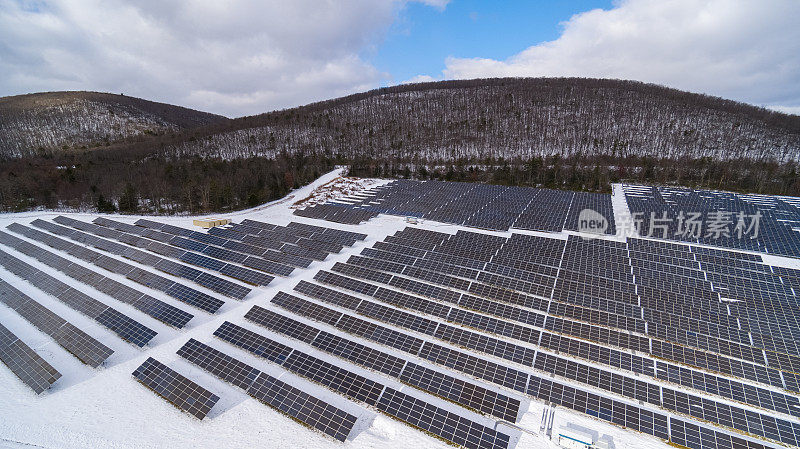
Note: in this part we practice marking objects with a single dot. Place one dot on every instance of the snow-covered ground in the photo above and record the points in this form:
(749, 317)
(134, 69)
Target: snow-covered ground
(106, 407)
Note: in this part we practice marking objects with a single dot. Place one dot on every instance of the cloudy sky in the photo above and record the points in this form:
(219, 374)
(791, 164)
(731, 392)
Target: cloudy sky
(241, 57)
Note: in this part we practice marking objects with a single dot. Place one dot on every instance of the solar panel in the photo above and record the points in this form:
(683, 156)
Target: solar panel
(475, 366)
(78, 343)
(125, 327)
(268, 261)
(282, 324)
(178, 291)
(145, 303)
(175, 388)
(328, 295)
(273, 392)
(341, 380)
(338, 379)
(205, 279)
(25, 363)
(456, 390)
(440, 422)
(253, 342)
(306, 308)
(461, 392)
(360, 354)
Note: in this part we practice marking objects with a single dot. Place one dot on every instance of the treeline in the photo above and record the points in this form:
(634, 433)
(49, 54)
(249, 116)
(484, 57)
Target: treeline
(111, 182)
(596, 173)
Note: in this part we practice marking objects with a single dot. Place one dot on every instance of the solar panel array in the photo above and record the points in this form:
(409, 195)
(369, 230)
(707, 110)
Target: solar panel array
(451, 333)
(293, 245)
(271, 391)
(640, 313)
(667, 212)
(210, 281)
(337, 212)
(353, 385)
(25, 363)
(175, 388)
(490, 206)
(124, 326)
(84, 347)
(156, 308)
(468, 394)
(177, 290)
(153, 241)
(252, 256)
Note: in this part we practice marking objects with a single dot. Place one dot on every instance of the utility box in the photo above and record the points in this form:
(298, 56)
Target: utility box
(603, 444)
(574, 439)
(211, 222)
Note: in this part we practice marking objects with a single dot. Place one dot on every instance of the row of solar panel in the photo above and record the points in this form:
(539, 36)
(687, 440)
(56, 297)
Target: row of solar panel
(210, 281)
(493, 207)
(235, 271)
(275, 393)
(659, 207)
(311, 232)
(153, 307)
(730, 351)
(250, 236)
(751, 298)
(84, 347)
(337, 213)
(175, 388)
(346, 382)
(116, 321)
(209, 247)
(592, 333)
(176, 290)
(230, 250)
(770, 400)
(252, 256)
(320, 243)
(462, 392)
(25, 363)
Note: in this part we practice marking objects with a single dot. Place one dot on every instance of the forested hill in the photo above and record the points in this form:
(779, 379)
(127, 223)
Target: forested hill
(53, 122)
(109, 152)
(512, 118)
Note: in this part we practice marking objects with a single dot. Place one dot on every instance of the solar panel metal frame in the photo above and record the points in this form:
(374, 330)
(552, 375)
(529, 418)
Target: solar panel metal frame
(25, 363)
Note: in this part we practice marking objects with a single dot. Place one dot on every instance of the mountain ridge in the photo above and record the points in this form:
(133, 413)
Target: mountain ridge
(521, 116)
(49, 122)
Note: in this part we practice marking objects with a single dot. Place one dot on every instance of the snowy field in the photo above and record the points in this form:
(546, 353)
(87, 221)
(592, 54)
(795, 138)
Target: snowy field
(107, 408)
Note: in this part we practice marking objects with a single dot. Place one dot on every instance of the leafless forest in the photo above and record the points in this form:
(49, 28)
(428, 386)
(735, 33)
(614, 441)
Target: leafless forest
(59, 122)
(514, 118)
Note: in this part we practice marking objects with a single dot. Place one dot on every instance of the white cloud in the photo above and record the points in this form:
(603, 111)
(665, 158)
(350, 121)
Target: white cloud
(795, 110)
(232, 57)
(438, 4)
(743, 50)
(419, 79)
